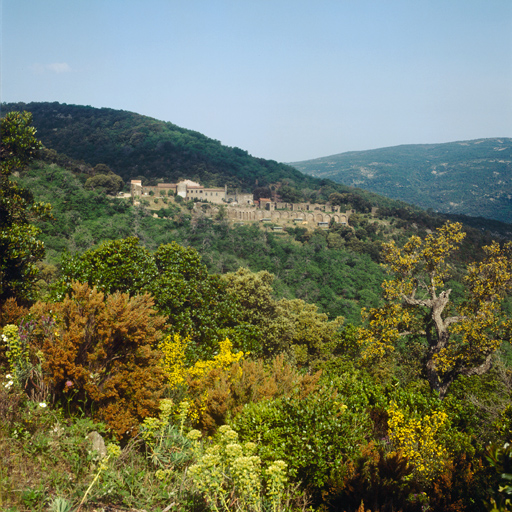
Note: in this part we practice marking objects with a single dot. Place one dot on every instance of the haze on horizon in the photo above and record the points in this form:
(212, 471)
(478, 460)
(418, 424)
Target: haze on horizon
(287, 80)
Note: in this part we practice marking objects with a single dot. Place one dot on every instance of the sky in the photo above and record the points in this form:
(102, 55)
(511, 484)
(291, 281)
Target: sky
(286, 80)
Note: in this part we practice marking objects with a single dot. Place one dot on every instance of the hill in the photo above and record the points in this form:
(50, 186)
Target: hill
(469, 177)
(139, 147)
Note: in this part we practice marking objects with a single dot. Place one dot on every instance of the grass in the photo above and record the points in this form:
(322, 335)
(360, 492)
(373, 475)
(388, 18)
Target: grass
(47, 464)
(47, 461)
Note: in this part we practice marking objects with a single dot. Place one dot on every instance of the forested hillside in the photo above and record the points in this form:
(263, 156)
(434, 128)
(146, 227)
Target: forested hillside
(160, 359)
(140, 147)
(337, 269)
(470, 177)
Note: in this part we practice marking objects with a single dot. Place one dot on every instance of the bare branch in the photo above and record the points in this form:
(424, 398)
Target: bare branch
(478, 370)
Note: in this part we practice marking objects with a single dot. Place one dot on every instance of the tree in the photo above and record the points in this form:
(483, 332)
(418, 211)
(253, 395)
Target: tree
(101, 169)
(194, 302)
(19, 247)
(459, 340)
(110, 183)
(291, 326)
(115, 266)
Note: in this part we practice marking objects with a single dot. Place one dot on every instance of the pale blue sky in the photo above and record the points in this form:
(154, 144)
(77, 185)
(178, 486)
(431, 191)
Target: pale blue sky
(284, 79)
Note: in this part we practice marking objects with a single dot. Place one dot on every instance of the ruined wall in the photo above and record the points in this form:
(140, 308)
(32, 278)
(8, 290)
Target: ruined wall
(290, 216)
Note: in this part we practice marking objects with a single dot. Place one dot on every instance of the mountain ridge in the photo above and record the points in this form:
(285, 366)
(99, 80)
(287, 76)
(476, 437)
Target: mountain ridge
(464, 177)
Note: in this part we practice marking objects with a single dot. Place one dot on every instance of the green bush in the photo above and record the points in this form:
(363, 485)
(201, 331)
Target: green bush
(315, 435)
(194, 302)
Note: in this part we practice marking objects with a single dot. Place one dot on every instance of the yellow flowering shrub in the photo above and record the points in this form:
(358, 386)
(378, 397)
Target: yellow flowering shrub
(173, 348)
(223, 360)
(418, 439)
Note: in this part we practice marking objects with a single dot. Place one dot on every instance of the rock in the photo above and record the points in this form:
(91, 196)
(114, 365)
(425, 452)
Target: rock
(98, 444)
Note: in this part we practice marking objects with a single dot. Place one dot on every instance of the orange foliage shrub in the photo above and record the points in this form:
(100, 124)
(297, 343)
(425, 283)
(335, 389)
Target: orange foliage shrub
(11, 313)
(221, 392)
(99, 352)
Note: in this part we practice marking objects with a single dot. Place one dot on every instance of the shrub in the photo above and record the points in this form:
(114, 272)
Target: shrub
(194, 302)
(383, 481)
(11, 312)
(174, 349)
(229, 475)
(314, 435)
(17, 353)
(100, 350)
(462, 486)
(220, 388)
(418, 440)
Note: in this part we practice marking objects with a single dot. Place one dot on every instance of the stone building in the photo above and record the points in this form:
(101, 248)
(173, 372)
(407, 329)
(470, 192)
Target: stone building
(187, 189)
(240, 198)
(241, 207)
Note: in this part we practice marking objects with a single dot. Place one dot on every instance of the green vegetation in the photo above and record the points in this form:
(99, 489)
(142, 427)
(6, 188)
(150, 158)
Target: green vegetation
(135, 146)
(178, 362)
(300, 261)
(471, 178)
(139, 147)
(19, 248)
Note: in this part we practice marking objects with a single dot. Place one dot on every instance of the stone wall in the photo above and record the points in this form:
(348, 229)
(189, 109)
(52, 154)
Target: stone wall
(186, 189)
(289, 216)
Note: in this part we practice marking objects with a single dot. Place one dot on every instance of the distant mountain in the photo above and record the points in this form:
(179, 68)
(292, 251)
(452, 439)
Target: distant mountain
(469, 177)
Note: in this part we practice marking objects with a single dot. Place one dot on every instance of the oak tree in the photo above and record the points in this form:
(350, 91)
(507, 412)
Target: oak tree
(458, 340)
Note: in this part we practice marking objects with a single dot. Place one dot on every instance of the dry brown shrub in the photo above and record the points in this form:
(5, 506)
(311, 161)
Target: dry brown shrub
(99, 352)
(11, 312)
(222, 392)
